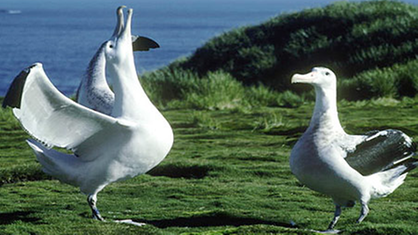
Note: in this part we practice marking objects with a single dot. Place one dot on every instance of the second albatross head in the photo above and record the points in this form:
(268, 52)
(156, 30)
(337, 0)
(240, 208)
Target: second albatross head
(318, 77)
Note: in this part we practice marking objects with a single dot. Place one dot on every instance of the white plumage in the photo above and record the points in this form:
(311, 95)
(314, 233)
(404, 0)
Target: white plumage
(134, 138)
(346, 167)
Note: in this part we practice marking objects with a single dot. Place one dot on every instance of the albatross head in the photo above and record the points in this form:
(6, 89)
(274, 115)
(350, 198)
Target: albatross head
(318, 77)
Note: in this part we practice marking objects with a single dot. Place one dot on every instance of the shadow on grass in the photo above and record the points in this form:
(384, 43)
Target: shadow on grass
(179, 171)
(296, 131)
(218, 219)
(24, 216)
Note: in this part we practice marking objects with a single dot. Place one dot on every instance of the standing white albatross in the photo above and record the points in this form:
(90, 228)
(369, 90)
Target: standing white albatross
(107, 148)
(93, 91)
(348, 168)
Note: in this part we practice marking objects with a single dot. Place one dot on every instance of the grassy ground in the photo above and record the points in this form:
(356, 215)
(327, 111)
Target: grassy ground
(227, 173)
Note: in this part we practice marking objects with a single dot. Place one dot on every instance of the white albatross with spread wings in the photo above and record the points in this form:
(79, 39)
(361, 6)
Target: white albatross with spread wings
(134, 138)
(348, 168)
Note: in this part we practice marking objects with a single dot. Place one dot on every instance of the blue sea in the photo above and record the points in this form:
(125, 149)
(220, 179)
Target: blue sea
(64, 34)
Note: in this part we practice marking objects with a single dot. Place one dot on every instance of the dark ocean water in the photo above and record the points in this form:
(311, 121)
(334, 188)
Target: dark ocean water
(64, 34)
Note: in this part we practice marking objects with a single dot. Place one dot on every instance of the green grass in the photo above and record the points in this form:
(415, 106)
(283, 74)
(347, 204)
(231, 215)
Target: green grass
(227, 173)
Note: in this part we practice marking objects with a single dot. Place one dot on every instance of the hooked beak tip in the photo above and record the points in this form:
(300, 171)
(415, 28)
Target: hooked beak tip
(119, 11)
(294, 79)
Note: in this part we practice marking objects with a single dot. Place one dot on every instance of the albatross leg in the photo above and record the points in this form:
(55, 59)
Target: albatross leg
(336, 217)
(364, 212)
(330, 229)
(92, 199)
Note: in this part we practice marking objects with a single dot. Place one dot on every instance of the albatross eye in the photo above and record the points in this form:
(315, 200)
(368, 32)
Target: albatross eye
(110, 46)
(327, 73)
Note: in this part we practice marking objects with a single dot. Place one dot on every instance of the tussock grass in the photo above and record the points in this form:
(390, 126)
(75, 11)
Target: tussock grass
(173, 88)
(268, 123)
(205, 121)
(399, 80)
(176, 88)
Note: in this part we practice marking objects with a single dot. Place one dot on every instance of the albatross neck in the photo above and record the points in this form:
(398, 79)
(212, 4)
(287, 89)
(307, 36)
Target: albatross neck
(95, 75)
(325, 114)
(130, 98)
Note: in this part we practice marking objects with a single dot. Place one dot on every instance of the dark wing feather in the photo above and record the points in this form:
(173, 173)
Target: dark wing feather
(140, 43)
(380, 151)
(14, 94)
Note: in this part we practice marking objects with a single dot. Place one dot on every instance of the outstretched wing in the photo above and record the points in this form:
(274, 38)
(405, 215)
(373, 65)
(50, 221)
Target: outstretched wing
(55, 120)
(381, 150)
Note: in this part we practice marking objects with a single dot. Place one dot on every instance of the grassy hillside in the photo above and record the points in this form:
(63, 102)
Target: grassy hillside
(372, 47)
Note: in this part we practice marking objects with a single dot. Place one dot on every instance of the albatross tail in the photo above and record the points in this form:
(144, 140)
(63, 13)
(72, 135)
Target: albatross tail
(59, 165)
(385, 182)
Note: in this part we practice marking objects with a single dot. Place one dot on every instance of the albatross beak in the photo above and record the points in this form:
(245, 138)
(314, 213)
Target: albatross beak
(119, 24)
(126, 32)
(304, 78)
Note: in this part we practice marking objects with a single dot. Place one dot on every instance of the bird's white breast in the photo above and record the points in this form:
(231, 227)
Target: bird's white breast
(148, 146)
(318, 163)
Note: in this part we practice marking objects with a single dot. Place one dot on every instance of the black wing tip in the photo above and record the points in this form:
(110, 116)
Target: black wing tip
(144, 44)
(14, 93)
(410, 165)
